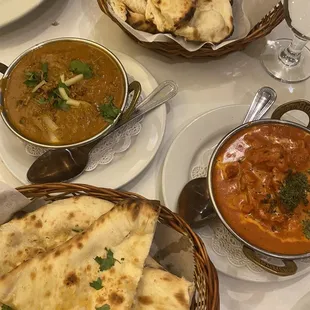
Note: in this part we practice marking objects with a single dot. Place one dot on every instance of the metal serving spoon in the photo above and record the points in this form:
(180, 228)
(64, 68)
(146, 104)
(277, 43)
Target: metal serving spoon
(61, 165)
(194, 203)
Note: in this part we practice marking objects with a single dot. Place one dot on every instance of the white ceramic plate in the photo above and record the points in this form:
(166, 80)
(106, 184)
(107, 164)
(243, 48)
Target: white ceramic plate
(194, 145)
(124, 167)
(11, 10)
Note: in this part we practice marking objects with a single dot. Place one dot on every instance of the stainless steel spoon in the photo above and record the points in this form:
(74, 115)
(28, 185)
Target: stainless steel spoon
(194, 203)
(62, 165)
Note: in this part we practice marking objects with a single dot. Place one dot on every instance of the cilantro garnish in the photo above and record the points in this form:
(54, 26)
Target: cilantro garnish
(306, 228)
(61, 104)
(32, 79)
(108, 110)
(294, 190)
(45, 71)
(79, 67)
(41, 100)
(97, 285)
(57, 101)
(5, 307)
(104, 307)
(106, 263)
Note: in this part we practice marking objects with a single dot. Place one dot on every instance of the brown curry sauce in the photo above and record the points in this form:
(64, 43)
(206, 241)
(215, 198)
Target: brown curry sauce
(78, 123)
(248, 177)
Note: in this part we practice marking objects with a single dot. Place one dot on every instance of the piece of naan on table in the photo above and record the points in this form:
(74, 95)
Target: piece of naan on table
(97, 269)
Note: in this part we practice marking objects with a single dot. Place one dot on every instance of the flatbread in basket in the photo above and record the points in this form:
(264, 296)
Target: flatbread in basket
(98, 267)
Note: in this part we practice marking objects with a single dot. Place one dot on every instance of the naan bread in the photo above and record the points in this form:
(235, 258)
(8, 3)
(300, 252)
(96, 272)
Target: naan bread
(176, 12)
(119, 8)
(137, 6)
(159, 289)
(68, 277)
(46, 228)
(212, 22)
(153, 15)
(139, 22)
(122, 7)
(168, 15)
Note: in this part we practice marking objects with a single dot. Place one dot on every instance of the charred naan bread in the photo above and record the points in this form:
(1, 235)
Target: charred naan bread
(176, 12)
(47, 228)
(137, 6)
(119, 8)
(122, 7)
(159, 289)
(212, 22)
(153, 15)
(99, 268)
(139, 22)
(167, 15)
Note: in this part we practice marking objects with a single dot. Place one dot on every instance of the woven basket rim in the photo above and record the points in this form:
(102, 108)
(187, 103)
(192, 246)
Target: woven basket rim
(206, 279)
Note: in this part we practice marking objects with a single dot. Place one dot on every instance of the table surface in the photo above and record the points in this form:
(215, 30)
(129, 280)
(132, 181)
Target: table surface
(204, 85)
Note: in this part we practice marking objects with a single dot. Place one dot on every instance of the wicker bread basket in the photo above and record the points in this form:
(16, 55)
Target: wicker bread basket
(263, 28)
(206, 280)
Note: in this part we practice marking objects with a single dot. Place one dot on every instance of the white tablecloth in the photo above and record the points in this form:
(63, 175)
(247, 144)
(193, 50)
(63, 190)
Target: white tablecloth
(204, 85)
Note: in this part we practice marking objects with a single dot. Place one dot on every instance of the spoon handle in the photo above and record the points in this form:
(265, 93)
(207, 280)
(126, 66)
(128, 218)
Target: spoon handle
(262, 102)
(166, 89)
(160, 95)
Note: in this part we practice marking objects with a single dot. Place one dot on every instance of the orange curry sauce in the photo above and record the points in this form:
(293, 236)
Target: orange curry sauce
(247, 177)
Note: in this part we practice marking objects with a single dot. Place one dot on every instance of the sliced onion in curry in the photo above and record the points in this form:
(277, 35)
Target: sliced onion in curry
(74, 80)
(49, 123)
(38, 86)
(63, 93)
(52, 137)
(73, 102)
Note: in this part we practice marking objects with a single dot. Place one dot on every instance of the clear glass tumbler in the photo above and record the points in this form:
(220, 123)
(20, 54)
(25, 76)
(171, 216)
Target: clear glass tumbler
(289, 60)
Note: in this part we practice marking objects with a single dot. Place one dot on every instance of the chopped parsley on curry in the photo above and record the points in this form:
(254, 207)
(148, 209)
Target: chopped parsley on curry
(261, 185)
(63, 93)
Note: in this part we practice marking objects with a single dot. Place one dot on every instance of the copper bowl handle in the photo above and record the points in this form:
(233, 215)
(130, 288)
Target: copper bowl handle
(134, 87)
(3, 68)
(288, 269)
(300, 105)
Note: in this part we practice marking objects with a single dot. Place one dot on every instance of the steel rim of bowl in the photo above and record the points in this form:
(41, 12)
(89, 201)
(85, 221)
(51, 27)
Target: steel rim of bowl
(77, 144)
(218, 212)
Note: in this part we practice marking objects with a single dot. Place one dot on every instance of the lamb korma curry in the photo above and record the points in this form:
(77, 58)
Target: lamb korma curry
(64, 92)
(261, 185)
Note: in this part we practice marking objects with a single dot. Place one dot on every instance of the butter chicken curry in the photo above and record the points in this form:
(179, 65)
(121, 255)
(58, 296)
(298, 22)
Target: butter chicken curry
(64, 92)
(261, 185)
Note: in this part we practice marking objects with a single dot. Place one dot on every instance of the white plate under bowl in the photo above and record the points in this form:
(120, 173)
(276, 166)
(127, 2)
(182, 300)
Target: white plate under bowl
(194, 144)
(124, 167)
(11, 10)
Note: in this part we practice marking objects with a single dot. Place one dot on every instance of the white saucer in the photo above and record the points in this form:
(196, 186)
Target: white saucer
(11, 10)
(192, 147)
(124, 167)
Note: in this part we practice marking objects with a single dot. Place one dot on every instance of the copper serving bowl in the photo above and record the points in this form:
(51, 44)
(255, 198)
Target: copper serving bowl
(249, 249)
(123, 115)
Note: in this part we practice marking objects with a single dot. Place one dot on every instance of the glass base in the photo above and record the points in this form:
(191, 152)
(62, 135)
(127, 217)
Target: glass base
(277, 69)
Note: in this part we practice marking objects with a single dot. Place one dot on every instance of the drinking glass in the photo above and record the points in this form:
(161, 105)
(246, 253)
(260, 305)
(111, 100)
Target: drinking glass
(289, 60)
